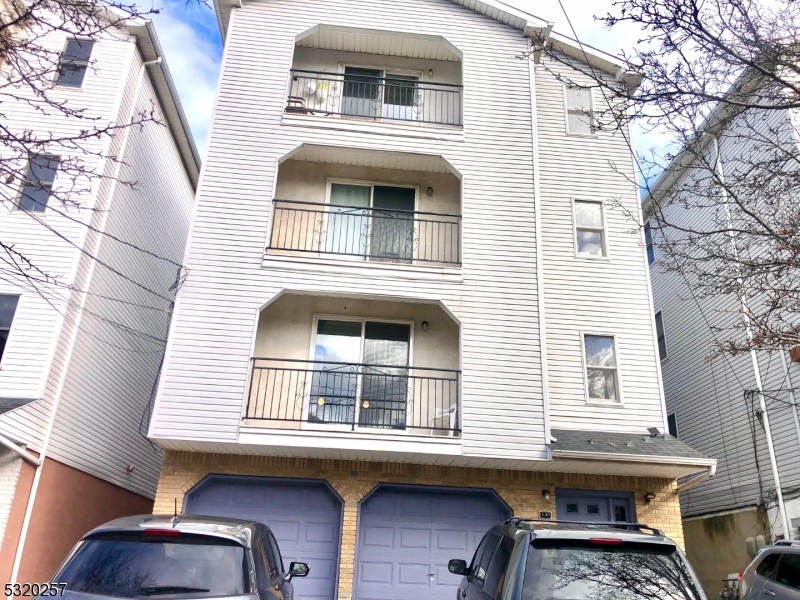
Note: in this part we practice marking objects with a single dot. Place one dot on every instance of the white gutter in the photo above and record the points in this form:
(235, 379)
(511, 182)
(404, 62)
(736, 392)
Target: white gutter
(697, 479)
(20, 450)
(637, 458)
(48, 432)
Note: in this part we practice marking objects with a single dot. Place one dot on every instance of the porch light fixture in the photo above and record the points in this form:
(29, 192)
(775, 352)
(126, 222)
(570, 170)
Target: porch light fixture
(649, 497)
(546, 494)
(320, 401)
(424, 325)
(429, 191)
(430, 72)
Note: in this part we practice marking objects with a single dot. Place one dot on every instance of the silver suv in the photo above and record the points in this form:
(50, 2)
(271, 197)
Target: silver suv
(178, 557)
(774, 574)
(525, 559)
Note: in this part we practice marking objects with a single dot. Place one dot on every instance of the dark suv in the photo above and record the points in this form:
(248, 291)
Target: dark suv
(525, 559)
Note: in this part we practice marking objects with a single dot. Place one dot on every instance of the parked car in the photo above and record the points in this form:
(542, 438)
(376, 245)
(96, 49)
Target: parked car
(774, 574)
(525, 559)
(178, 557)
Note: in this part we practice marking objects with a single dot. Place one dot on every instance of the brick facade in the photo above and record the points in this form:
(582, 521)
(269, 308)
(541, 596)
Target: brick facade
(521, 490)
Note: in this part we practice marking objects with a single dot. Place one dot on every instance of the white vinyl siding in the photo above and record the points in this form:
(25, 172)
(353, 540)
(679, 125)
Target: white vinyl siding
(609, 295)
(206, 372)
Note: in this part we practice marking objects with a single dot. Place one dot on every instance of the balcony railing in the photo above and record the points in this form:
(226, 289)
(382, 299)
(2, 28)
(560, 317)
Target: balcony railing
(295, 394)
(371, 234)
(378, 98)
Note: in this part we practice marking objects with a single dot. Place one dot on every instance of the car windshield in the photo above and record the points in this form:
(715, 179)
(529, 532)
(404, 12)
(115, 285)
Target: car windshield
(590, 571)
(155, 566)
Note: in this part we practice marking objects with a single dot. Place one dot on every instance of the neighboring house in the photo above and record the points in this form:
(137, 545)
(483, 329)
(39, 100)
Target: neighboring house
(410, 313)
(80, 359)
(712, 399)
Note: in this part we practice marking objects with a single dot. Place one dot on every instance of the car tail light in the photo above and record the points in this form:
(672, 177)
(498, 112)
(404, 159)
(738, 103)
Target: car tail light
(164, 532)
(605, 541)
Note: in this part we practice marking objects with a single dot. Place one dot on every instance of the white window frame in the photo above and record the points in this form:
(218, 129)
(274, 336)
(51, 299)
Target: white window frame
(57, 74)
(597, 401)
(603, 231)
(14, 322)
(370, 184)
(664, 332)
(49, 155)
(316, 317)
(593, 133)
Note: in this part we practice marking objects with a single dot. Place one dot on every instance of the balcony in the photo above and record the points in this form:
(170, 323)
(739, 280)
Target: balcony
(368, 94)
(357, 365)
(367, 207)
(364, 397)
(344, 74)
(375, 234)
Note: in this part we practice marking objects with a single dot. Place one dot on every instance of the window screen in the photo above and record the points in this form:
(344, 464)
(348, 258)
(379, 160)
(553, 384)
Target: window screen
(74, 62)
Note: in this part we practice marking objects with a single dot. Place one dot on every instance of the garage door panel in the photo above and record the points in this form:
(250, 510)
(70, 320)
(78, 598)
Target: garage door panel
(407, 535)
(304, 516)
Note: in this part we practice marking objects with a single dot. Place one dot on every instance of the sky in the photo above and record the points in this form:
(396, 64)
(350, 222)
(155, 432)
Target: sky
(190, 39)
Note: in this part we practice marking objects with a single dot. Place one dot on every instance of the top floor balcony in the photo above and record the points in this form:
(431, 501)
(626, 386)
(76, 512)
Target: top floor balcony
(349, 73)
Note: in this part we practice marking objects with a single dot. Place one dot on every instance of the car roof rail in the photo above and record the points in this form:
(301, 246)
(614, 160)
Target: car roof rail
(787, 543)
(614, 524)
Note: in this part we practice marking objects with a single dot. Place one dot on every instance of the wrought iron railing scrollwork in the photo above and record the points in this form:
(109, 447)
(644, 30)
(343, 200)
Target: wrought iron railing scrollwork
(416, 400)
(370, 234)
(375, 98)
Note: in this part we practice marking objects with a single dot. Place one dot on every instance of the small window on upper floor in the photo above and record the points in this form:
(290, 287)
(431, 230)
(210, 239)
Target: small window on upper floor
(38, 184)
(580, 113)
(590, 236)
(672, 425)
(600, 358)
(662, 338)
(8, 307)
(74, 62)
(648, 240)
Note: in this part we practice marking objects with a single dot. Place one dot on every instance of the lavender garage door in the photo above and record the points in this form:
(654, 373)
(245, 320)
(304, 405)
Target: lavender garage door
(406, 535)
(305, 516)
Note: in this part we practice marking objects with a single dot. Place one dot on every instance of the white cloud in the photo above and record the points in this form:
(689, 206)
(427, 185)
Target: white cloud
(190, 40)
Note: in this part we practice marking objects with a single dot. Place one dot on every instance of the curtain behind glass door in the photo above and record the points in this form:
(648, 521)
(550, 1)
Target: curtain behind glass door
(384, 393)
(393, 233)
(347, 229)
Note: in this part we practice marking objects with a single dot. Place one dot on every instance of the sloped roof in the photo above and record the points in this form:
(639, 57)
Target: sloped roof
(530, 26)
(664, 448)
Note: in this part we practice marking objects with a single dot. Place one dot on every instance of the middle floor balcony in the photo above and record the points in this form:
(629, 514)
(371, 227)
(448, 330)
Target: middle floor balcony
(367, 207)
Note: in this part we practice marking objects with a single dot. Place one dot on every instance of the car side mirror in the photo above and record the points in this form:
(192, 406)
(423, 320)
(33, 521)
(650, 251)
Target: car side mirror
(298, 569)
(458, 567)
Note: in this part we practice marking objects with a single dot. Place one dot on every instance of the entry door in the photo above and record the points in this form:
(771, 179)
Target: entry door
(361, 95)
(594, 506)
(393, 230)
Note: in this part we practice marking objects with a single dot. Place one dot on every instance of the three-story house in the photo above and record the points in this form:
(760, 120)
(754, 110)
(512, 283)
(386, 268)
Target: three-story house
(411, 312)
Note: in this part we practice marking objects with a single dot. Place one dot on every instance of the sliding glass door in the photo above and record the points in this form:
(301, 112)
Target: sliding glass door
(371, 222)
(360, 369)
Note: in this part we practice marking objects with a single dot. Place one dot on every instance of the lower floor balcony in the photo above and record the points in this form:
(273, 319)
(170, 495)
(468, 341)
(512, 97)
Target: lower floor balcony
(354, 396)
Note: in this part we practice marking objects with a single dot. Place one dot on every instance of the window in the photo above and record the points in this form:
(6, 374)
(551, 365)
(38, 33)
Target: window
(601, 367)
(648, 240)
(38, 185)
(662, 339)
(377, 93)
(483, 554)
(274, 554)
(496, 572)
(579, 110)
(672, 425)
(589, 228)
(74, 61)
(8, 306)
(789, 571)
(767, 565)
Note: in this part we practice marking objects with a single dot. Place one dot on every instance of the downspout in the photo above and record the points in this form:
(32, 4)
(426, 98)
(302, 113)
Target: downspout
(51, 422)
(537, 215)
(4, 441)
(762, 405)
(698, 479)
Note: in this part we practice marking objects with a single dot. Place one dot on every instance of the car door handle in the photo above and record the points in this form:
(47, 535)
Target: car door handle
(769, 593)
